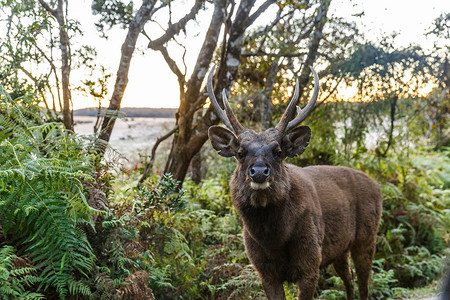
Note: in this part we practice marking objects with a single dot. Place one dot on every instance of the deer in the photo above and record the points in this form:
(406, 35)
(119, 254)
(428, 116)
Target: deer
(297, 220)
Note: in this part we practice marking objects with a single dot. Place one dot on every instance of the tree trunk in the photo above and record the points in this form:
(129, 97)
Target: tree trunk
(137, 24)
(58, 13)
(183, 149)
(188, 144)
(65, 78)
(266, 111)
(317, 35)
(196, 168)
(391, 130)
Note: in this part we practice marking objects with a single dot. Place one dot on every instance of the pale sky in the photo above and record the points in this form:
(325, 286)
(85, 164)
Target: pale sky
(152, 84)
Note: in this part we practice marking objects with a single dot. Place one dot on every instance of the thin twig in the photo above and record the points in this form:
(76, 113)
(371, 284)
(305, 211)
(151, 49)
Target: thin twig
(174, 29)
(263, 53)
(149, 165)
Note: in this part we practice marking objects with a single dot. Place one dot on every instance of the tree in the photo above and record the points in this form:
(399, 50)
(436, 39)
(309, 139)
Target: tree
(385, 73)
(192, 121)
(135, 27)
(27, 48)
(191, 132)
(283, 48)
(190, 136)
(438, 101)
(20, 47)
(59, 13)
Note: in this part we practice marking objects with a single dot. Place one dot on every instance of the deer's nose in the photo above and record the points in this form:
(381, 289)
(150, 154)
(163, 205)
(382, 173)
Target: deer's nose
(259, 172)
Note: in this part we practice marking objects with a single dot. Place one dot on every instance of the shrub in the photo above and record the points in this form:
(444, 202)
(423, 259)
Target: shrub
(42, 205)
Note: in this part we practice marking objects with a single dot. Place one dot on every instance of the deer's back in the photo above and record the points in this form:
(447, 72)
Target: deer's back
(350, 204)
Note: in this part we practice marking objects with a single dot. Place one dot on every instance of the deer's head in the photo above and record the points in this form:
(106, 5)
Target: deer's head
(261, 155)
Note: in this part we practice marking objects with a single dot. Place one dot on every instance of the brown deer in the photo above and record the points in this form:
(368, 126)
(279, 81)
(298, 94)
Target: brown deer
(297, 220)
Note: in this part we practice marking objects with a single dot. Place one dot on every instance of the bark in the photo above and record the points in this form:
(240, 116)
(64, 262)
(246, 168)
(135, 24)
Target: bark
(446, 73)
(191, 137)
(196, 168)
(391, 130)
(317, 35)
(58, 13)
(266, 111)
(181, 154)
(183, 150)
(136, 26)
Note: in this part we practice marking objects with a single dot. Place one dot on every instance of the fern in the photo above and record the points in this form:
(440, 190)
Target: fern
(13, 280)
(42, 204)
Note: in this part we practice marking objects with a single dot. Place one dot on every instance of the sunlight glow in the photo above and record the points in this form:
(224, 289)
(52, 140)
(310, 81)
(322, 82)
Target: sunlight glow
(152, 84)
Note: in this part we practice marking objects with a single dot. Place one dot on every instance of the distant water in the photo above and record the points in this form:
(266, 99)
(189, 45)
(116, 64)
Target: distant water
(130, 136)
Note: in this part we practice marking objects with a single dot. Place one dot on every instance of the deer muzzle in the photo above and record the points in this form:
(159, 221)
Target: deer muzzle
(259, 172)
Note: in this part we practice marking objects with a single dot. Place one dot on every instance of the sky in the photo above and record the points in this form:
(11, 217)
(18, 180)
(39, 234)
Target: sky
(152, 84)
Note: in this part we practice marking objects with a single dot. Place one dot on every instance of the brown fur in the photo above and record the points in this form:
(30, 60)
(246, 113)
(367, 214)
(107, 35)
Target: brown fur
(308, 218)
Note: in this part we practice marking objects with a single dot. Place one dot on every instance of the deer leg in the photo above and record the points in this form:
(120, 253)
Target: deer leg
(274, 290)
(342, 267)
(362, 256)
(266, 269)
(307, 285)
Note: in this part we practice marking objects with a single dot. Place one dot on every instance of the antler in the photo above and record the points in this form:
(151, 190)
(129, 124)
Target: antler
(284, 124)
(226, 114)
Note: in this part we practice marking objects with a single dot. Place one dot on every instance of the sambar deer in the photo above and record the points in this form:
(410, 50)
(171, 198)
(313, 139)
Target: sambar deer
(297, 220)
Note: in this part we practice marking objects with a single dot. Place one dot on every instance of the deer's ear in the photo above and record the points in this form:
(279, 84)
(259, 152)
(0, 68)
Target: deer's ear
(295, 142)
(223, 140)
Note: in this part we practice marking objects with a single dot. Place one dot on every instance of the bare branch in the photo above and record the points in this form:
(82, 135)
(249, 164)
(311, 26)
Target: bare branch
(269, 27)
(175, 28)
(149, 165)
(259, 11)
(205, 56)
(26, 72)
(329, 94)
(263, 53)
(173, 67)
(317, 35)
(48, 8)
(183, 58)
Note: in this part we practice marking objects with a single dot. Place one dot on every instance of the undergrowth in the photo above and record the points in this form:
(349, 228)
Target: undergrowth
(42, 203)
(154, 241)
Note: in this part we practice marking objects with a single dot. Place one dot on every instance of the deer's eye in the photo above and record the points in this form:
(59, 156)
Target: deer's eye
(241, 154)
(277, 152)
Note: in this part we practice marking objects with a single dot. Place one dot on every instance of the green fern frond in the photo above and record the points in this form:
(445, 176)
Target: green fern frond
(14, 281)
(42, 172)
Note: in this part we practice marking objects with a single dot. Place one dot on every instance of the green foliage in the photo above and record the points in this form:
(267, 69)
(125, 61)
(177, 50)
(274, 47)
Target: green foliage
(190, 249)
(28, 43)
(196, 250)
(163, 197)
(42, 205)
(383, 281)
(17, 45)
(112, 12)
(14, 280)
(187, 244)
